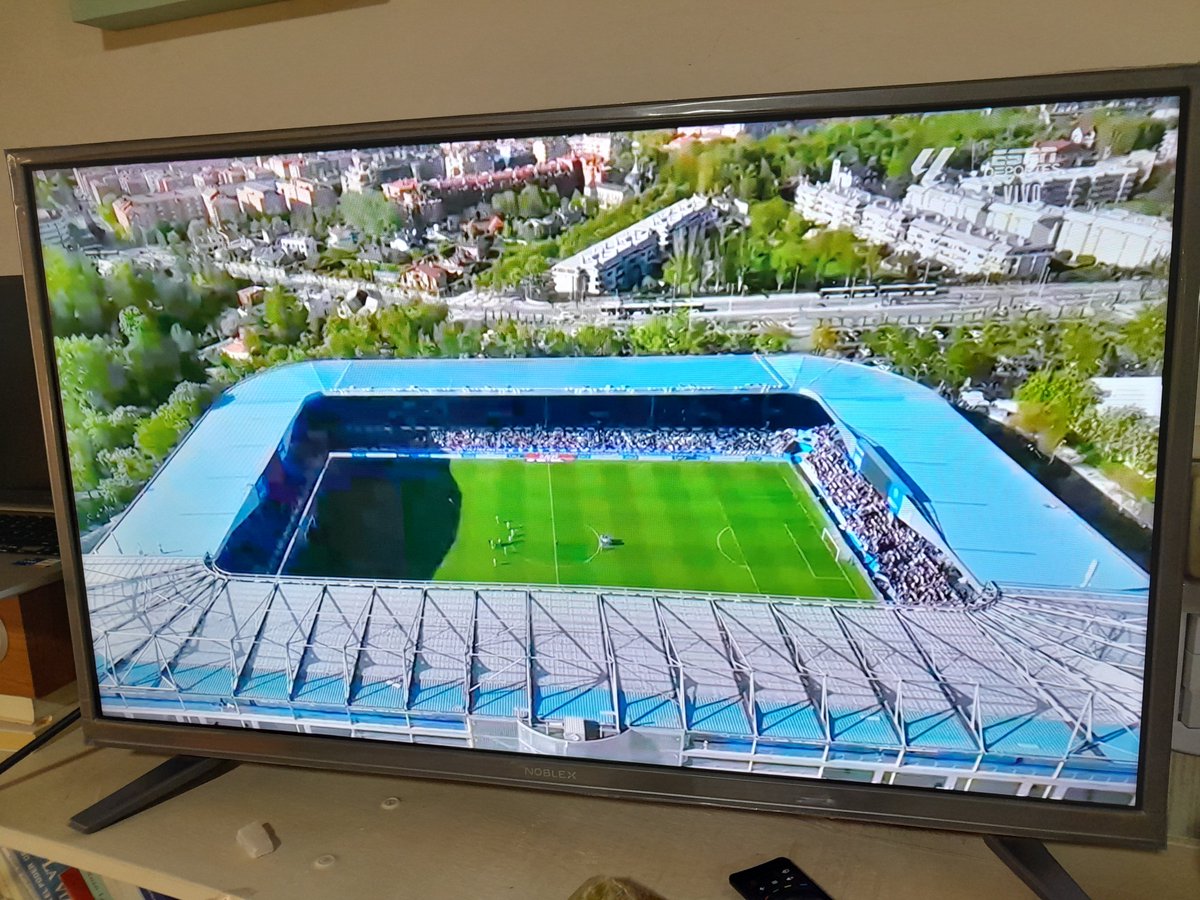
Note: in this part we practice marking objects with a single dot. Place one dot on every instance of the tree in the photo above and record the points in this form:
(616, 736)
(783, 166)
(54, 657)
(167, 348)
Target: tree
(369, 212)
(88, 372)
(530, 203)
(284, 315)
(1125, 436)
(774, 339)
(1086, 348)
(162, 429)
(351, 337)
(1052, 403)
(682, 272)
(1143, 339)
(1119, 133)
(767, 216)
(153, 361)
(78, 301)
(825, 338)
(518, 263)
(504, 204)
(597, 340)
(966, 361)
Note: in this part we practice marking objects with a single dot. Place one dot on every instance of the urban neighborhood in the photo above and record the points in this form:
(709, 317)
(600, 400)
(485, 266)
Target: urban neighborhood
(937, 245)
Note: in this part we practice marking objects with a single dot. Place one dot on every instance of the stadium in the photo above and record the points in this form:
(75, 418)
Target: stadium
(786, 565)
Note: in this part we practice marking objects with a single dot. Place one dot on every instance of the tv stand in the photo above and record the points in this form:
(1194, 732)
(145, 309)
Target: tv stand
(1036, 866)
(166, 780)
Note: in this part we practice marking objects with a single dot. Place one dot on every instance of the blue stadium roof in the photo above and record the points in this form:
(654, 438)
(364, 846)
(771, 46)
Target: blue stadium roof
(1000, 521)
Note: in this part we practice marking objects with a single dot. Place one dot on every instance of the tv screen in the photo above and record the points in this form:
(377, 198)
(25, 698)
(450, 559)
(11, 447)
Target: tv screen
(818, 447)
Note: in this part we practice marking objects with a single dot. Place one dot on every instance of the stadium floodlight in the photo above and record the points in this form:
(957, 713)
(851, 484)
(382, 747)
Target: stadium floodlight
(810, 493)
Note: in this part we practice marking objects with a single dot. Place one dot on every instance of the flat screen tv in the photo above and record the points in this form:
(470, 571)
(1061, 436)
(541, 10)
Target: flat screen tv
(820, 453)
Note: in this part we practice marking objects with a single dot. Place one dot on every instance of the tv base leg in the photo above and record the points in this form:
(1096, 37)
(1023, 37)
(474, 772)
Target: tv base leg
(1033, 864)
(173, 777)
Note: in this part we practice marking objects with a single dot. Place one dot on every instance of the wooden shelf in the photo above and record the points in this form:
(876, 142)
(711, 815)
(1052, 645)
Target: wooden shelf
(453, 841)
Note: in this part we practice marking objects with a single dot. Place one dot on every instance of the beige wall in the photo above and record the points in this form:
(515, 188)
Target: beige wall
(307, 62)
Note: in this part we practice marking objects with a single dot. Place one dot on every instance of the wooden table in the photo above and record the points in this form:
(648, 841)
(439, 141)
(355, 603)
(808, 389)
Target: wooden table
(459, 841)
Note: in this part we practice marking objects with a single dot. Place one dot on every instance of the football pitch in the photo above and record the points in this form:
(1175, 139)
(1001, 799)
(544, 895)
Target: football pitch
(729, 527)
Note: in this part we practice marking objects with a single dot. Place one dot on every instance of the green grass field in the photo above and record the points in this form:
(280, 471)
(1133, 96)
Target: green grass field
(749, 528)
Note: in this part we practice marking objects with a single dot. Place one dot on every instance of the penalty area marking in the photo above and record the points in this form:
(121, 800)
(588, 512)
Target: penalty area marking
(801, 502)
(743, 564)
(803, 555)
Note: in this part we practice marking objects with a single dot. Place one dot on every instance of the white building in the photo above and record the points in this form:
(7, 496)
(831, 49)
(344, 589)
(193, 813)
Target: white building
(884, 222)
(620, 262)
(318, 306)
(943, 200)
(831, 204)
(299, 245)
(356, 177)
(1108, 182)
(1037, 223)
(1168, 147)
(592, 145)
(340, 237)
(267, 255)
(1115, 237)
(975, 251)
(609, 195)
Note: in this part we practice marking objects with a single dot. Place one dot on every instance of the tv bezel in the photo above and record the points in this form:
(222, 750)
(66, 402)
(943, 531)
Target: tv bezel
(1143, 824)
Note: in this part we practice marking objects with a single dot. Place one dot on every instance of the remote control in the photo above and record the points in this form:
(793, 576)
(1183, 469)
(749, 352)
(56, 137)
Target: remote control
(778, 879)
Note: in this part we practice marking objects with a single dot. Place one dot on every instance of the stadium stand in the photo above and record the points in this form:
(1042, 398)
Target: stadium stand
(1035, 691)
(909, 568)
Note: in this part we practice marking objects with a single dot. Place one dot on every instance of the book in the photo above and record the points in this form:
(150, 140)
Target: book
(40, 878)
(27, 710)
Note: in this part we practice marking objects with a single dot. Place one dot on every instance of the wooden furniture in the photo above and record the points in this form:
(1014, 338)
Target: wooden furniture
(452, 841)
(39, 657)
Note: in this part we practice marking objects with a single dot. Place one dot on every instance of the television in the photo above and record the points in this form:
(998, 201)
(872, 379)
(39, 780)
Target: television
(820, 453)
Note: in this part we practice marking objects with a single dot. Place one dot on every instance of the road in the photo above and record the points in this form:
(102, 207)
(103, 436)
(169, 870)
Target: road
(801, 310)
(797, 311)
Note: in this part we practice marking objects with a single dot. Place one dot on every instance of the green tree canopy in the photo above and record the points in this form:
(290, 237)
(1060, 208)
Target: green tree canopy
(369, 213)
(283, 315)
(78, 300)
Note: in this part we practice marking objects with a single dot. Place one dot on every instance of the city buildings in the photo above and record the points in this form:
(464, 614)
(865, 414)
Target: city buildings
(838, 203)
(884, 222)
(261, 198)
(151, 210)
(1168, 147)
(609, 195)
(1114, 237)
(971, 250)
(1037, 223)
(941, 199)
(299, 244)
(221, 204)
(437, 198)
(308, 193)
(977, 226)
(1110, 181)
(427, 277)
(622, 261)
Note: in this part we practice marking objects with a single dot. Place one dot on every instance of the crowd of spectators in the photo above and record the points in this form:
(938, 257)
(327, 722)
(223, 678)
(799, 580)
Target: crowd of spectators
(537, 439)
(909, 568)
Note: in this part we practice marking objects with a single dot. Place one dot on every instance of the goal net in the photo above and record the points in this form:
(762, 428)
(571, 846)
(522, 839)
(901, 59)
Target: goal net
(836, 547)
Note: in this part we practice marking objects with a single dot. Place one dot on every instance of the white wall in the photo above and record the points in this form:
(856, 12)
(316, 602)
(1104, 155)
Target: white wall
(310, 62)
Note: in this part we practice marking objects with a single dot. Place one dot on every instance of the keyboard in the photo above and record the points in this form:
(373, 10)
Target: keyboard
(34, 535)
